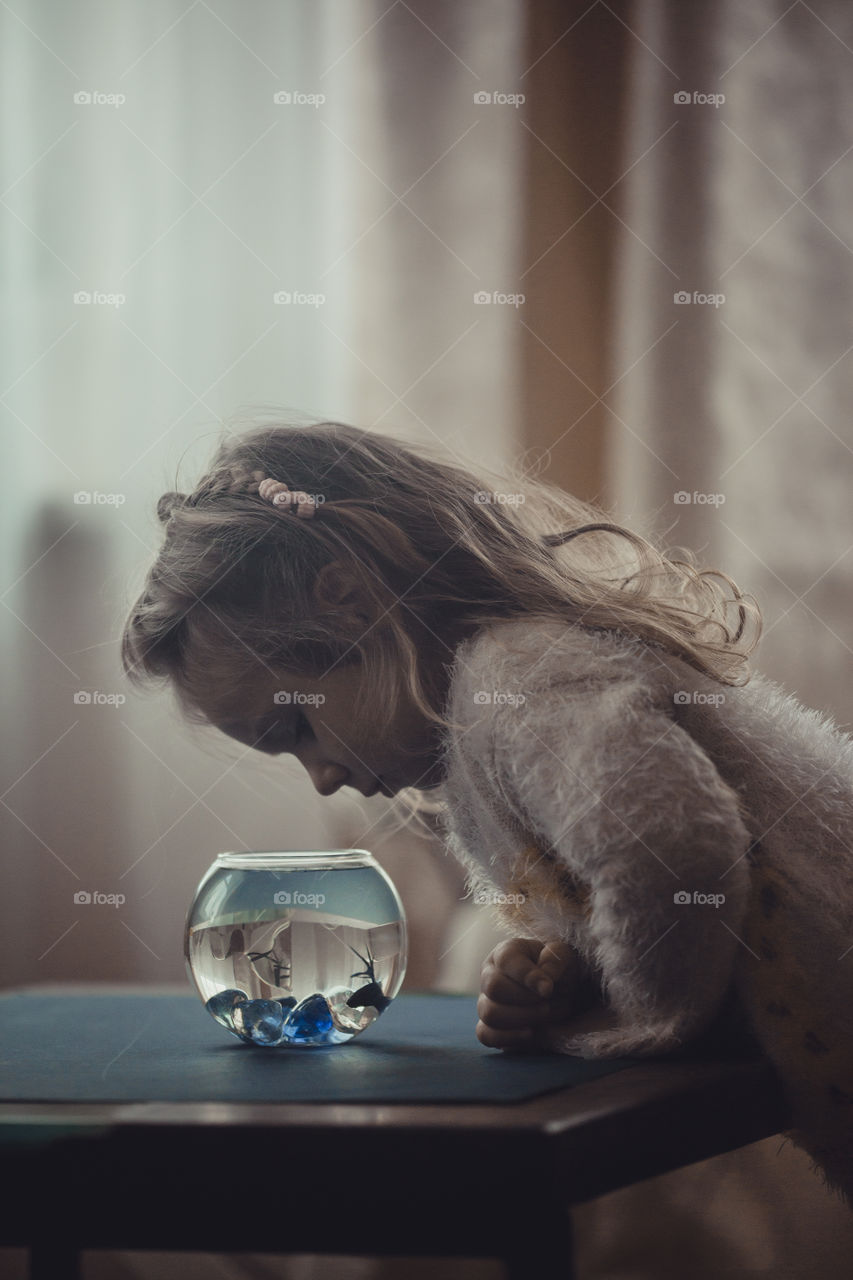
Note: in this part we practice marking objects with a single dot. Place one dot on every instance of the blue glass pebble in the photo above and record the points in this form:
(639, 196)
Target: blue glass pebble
(223, 1004)
(262, 1021)
(310, 1022)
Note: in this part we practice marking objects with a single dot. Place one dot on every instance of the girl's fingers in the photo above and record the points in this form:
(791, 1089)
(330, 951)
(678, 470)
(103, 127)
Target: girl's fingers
(511, 1016)
(495, 1039)
(560, 961)
(506, 972)
(523, 971)
(559, 971)
(526, 986)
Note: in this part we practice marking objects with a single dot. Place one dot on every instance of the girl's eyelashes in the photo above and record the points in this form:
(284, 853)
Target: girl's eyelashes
(277, 739)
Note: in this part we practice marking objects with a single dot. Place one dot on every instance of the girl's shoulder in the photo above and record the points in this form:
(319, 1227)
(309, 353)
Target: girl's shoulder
(522, 669)
(514, 664)
(538, 652)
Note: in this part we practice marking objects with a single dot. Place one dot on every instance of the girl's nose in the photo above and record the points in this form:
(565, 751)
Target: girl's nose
(327, 778)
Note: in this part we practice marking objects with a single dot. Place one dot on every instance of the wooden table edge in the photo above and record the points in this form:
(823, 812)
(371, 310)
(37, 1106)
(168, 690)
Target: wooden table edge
(594, 1137)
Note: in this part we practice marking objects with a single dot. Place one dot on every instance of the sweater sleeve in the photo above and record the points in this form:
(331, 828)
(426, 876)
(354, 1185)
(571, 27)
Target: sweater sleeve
(640, 817)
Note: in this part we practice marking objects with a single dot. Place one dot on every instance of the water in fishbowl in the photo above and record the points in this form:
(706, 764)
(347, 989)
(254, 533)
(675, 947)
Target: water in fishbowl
(314, 963)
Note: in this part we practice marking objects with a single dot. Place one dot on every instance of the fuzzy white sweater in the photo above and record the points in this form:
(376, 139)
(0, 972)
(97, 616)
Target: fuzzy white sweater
(690, 839)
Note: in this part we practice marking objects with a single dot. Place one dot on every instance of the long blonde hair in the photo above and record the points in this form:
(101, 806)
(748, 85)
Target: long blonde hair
(418, 535)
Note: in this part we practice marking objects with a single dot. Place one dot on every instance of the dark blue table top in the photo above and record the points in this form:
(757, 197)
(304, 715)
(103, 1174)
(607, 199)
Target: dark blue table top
(145, 1048)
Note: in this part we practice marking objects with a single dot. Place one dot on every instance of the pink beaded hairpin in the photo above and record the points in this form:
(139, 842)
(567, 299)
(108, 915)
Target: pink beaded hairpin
(278, 493)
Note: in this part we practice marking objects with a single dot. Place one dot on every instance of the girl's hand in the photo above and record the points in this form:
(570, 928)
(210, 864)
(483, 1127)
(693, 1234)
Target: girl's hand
(527, 989)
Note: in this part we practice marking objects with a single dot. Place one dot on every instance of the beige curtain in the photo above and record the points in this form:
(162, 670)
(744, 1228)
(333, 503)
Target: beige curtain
(742, 404)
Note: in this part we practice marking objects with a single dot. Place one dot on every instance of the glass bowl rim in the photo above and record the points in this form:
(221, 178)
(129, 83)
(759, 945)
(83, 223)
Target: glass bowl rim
(295, 859)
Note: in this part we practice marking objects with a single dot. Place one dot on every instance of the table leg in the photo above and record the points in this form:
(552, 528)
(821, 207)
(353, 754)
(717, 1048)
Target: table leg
(546, 1251)
(54, 1261)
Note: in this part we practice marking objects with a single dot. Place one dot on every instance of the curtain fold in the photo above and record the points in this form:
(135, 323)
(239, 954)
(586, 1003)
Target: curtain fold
(434, 217)
(731, 429)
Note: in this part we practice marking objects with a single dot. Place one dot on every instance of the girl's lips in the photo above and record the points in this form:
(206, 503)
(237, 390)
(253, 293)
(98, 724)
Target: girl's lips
(380, 786)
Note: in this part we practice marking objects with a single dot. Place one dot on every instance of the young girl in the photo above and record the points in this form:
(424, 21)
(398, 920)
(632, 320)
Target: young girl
(664, 835)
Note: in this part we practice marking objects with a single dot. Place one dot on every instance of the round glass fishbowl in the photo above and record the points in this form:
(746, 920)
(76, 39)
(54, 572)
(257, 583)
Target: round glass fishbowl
(296, 949)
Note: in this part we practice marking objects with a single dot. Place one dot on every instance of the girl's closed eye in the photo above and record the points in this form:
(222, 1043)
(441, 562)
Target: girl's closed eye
(301, 727)
(278, 738)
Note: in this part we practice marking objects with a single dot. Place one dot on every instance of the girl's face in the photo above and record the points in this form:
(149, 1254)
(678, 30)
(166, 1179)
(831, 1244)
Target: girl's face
(317, 724)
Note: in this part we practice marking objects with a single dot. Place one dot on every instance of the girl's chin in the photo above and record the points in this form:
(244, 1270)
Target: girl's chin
(429, 780)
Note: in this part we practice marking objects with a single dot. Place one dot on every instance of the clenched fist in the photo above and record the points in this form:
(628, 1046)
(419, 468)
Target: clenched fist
(528, 990)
